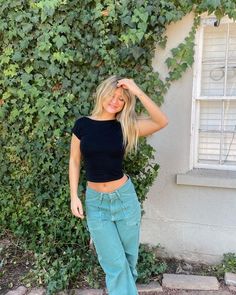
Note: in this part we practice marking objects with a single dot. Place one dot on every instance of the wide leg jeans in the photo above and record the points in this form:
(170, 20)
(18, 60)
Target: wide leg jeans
(113, 221)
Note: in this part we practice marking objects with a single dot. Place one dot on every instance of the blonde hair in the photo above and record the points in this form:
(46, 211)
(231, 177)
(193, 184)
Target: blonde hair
(127, 116)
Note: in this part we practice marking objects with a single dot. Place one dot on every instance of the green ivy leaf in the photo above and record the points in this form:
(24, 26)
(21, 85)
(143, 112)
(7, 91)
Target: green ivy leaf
(60, 41)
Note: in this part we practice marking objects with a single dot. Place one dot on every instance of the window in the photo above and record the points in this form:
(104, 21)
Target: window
(214, 96)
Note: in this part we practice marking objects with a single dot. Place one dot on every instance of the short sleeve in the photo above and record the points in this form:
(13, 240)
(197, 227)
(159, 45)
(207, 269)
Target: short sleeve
(77, 128)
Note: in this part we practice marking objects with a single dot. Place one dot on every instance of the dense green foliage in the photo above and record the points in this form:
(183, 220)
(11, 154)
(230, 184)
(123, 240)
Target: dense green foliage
(53, 55)
(228, 264)
(149, 265)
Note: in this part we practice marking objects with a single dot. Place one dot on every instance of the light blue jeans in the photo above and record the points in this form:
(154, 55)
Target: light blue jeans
(113, 221)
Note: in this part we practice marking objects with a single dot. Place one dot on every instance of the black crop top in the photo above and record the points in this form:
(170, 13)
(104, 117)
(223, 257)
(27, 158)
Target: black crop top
(101, 145)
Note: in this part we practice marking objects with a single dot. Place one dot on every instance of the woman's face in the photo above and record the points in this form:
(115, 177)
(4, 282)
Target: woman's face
(114, 103)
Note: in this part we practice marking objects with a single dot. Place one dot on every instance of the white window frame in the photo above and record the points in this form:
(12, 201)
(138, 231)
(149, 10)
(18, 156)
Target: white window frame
(205, 20)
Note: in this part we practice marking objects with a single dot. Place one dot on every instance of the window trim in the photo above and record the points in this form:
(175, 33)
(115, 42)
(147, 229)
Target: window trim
(208, 178)
(196, 98)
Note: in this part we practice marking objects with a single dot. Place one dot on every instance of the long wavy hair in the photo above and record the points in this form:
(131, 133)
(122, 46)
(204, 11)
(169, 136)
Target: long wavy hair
(127, 116)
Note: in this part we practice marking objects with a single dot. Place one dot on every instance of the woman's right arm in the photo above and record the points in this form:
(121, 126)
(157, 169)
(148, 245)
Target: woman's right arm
(74, 171)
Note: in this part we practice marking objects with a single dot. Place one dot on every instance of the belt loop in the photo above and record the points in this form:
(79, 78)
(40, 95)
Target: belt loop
(118, 194)
(101, 198)
(120, 198)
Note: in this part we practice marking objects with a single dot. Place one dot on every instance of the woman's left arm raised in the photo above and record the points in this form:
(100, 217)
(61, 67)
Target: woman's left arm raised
(157, 120)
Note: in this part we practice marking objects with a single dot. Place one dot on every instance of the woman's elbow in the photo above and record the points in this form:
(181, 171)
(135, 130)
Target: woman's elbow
(165, 122)
(74, 161)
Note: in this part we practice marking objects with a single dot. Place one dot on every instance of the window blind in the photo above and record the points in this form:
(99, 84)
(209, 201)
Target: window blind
(218, 77)
(217, 132)
(217, 113)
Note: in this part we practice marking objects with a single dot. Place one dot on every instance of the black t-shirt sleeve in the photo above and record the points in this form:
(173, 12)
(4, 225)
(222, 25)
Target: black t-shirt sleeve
(77, 128)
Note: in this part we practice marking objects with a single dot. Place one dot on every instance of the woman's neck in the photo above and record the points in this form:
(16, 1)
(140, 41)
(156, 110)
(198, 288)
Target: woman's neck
(103, 117)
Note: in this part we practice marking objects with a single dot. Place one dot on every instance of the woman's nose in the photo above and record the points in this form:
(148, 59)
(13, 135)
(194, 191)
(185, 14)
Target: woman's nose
(115, 100)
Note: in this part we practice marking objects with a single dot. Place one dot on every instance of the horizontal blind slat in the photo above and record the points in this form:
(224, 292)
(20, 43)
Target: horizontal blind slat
(217, 132)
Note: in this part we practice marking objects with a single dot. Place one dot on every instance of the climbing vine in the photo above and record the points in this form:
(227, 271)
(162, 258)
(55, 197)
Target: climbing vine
(53, 55)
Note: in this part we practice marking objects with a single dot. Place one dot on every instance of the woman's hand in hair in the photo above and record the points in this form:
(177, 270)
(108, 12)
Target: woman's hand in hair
(130, 85)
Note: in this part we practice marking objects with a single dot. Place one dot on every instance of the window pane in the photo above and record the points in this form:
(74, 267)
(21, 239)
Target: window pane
(213, 60)
(231, 71)
(219, 54)
(209, 132)
(229, 149)
(229, 129)
(217, 132)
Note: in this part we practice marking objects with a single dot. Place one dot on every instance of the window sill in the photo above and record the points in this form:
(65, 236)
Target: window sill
(208, 177)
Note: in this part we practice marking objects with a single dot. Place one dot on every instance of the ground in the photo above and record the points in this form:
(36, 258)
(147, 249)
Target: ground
(16, 263)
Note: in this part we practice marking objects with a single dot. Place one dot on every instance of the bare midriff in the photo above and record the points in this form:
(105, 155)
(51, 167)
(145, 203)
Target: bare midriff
(109, 186)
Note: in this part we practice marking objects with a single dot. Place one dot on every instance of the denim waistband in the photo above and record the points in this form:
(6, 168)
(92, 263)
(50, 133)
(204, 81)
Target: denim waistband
(124, 187)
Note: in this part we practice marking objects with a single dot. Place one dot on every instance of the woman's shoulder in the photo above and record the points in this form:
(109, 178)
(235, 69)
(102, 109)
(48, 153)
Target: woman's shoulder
(79, 122)
(81, 119)
(81, 126)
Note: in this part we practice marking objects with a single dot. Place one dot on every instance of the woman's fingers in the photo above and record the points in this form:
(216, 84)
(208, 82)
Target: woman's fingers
(77, 213)
(77, 210)
(121, 83)
(81, 212)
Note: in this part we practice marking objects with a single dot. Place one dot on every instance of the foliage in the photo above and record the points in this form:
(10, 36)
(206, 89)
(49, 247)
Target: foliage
(69, 267)
(228, 264)
(218, 7)
(148, 264)
(53, 55)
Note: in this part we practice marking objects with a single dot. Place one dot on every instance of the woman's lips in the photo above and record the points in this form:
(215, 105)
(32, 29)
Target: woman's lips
(112, 106)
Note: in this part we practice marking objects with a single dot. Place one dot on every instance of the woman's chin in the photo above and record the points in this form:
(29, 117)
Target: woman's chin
(112, 111)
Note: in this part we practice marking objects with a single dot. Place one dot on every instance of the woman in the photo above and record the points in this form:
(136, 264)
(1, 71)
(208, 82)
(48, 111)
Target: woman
(113, 211)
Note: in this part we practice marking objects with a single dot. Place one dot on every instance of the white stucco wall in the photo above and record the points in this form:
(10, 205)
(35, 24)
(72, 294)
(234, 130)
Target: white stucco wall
(196, 223)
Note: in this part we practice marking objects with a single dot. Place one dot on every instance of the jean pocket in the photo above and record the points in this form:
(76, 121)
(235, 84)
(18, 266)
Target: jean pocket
(134, 219)
(93, 211)
(128, 190)
(131, 204)
(133, 211)
(91, 197)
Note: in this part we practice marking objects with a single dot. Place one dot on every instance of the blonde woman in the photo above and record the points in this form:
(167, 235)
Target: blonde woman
(113, 211)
